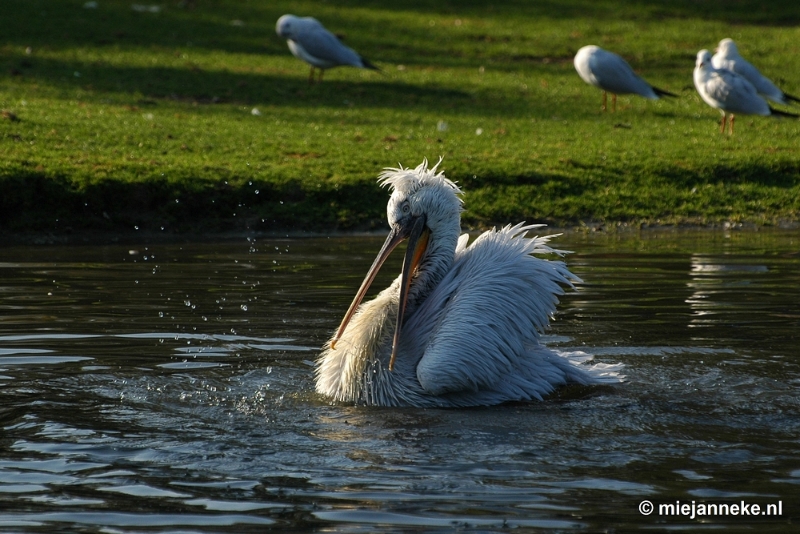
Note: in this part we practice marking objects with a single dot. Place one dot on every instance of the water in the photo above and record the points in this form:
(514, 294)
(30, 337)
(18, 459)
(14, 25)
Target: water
(168, 388)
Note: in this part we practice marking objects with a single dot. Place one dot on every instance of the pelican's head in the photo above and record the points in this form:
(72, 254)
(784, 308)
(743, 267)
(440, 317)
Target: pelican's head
(703, 59)
(285, 26)
(421, 193)
(727, 48)
(423, 208)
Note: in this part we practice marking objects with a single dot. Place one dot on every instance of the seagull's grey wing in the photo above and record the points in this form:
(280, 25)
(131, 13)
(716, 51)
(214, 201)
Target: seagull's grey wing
(615, 75)
(735, 94)
(762, 84)
(323, 45)
(482, 319)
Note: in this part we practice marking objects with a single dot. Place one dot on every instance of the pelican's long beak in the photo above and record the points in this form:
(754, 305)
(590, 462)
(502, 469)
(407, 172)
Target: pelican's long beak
(417, 233)
(417, 244)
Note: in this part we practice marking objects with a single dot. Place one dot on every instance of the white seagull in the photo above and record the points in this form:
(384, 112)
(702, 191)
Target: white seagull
(460, 325)
(310, 41)
(729, 92)
(612, 74)
(727, 57)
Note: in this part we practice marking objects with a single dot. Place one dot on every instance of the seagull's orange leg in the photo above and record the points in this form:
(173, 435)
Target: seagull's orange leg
(311, 75)
(722, 123)
(603, 107)
(733, 117)
(614, 101)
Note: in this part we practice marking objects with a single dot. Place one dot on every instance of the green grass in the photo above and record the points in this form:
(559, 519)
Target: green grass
(116, 118)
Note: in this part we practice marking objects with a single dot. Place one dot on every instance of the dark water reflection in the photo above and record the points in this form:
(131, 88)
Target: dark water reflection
(168, 388)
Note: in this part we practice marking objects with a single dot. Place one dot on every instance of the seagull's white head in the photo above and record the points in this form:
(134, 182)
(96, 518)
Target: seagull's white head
(727, 48)
(703, 59)
(285, 26)
(425, 209)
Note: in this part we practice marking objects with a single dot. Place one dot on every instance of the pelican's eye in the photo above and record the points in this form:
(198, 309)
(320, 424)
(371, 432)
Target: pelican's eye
(405, 208)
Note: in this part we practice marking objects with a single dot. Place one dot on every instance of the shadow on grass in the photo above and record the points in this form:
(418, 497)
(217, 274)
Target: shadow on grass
(232, 26)
(778, 13)
(711, 194)
(247, 27)
(782, 174)
(370, 27)
(202, 86)
(33, 201)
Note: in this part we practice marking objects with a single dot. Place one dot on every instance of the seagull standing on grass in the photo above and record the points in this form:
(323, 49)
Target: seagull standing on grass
(460, 325)
(729, 92)
(310, 41)
(727, 57)
(612, 74)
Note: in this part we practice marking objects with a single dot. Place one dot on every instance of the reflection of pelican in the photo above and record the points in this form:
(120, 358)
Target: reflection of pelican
(458, 327)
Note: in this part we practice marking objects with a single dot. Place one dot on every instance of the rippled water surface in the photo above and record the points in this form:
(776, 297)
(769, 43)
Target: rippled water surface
(169, 388)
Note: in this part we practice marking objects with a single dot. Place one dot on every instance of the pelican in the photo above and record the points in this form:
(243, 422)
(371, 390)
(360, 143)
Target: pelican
(729, 92)
(612, 74)
(727, 57)
(460, 326)
(310, 41)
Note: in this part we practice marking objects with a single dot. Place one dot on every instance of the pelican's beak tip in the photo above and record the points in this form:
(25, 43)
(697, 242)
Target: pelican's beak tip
(333, 344)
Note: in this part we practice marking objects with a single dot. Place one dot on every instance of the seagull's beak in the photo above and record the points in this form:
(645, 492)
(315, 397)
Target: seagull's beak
(417, 232)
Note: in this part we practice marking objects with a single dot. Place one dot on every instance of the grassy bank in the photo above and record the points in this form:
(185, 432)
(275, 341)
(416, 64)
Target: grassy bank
(197, 118)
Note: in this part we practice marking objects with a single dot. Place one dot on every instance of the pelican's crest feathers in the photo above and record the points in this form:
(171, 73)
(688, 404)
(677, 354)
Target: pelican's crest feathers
(407, 180)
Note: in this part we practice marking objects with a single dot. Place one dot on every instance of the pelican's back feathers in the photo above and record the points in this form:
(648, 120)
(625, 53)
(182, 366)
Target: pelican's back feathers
(481, 324)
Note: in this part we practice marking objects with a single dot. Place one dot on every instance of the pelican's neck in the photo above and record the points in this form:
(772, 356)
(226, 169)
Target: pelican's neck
(435, 263)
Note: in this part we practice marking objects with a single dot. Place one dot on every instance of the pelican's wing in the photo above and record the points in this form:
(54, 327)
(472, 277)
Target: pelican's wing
(322, 44)
(487, 311)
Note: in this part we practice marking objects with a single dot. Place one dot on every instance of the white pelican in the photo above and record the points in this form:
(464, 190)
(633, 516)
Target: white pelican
(460, 325)
(612, 74)
(310, 41)
(728, 58)
(729, 92)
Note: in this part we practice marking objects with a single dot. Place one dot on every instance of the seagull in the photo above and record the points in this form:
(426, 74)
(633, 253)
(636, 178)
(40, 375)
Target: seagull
(310, 41)
(612, 74)
(729, 92)
(460, 326)
(727, 57)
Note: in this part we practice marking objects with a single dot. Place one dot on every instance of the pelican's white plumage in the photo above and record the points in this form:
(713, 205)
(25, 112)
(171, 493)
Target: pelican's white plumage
(612, 74)
(728, 92)
(470, 328)
(727, 57)
(310, 41)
